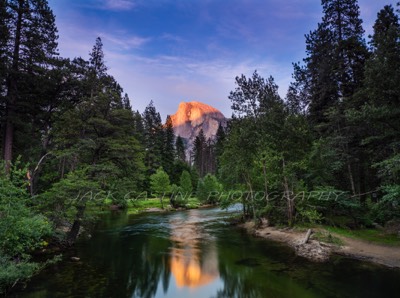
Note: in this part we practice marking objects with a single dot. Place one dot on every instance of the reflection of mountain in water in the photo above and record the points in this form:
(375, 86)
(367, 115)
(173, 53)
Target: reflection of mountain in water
(191, 265)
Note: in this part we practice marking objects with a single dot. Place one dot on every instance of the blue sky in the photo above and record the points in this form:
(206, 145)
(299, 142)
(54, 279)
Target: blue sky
(170, 51)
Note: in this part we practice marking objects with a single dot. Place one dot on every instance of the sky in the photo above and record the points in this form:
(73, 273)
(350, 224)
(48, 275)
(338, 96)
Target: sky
(170, 51)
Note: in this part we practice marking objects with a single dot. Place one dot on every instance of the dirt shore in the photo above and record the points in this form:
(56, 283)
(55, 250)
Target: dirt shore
(320, 251)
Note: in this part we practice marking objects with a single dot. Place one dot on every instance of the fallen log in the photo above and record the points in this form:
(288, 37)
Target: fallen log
(305, 240)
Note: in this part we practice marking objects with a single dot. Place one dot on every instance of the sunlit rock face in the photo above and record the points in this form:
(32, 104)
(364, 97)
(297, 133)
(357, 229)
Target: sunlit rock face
(193, 116)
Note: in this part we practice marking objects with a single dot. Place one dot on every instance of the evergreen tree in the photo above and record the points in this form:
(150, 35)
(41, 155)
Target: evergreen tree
(219, 145)
(180, 149)
(153, 138)
(380, 114)
(199, 153)
(336, 53)
(326, 86)
(126, 103)
(99, 132)
(383, 69)
(4, 36)
(32, 36)
(138, 126)
(168, 152)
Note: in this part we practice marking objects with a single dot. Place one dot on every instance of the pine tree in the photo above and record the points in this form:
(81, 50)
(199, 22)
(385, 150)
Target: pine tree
(199, 153)
(99, 132)
(219, 145)
(180, 149)
(328, 82)
(336, 53)
(126, 103)
(383, 69)
(381, 111)
(168, 152)
(4, 36)
(33, 40)
(153, 138)
(138, 126)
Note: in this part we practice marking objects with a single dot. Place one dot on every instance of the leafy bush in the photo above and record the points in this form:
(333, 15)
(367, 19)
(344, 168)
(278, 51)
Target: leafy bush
(310, 215)
(186, 183)
(21, 230)
(209, 189)
(160, 184)
(61, 201)
(388, 207)
(12, 272)
(178, 199)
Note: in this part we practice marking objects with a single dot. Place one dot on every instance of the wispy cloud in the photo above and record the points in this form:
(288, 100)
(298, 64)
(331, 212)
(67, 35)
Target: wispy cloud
(125, 41)
(177, 78)
(120, 4)
(171, 37)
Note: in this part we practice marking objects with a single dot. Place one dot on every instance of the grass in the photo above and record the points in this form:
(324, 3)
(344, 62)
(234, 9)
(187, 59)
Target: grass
(138, 206)
(371, 235)
(328, 234)
(327, 237)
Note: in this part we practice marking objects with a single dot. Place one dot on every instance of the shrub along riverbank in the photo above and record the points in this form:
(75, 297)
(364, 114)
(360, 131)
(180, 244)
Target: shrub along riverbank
(25, 232)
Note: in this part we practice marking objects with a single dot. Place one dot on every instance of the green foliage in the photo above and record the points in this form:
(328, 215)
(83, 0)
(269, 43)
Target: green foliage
(179, 198)
(168, 152)
(388, 207)
(180, 149)
(153, 138)
(327, 237)
(12, 272)
(21, 230)
(209, 189)
(61, 201)
(159, 183)
(370, 235)
(186, 183)
(310, 215)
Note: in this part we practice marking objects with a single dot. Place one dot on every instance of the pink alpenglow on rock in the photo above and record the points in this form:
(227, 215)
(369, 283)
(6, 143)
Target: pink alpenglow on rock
(193, 116)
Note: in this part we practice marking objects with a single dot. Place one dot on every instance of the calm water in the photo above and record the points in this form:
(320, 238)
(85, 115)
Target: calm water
(196, 253)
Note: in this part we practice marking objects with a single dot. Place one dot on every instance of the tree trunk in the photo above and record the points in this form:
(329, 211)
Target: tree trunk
(248, 181)
(305, 240)
(73, 233)
(12, 92)
(289, 200)
(265, 181)
(353, 188)
(161, 201)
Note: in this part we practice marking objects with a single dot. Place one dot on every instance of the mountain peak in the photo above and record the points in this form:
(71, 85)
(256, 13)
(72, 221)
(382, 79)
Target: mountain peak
(193, 116)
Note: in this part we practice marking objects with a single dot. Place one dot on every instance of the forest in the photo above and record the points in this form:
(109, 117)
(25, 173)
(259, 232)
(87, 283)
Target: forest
(327, 153)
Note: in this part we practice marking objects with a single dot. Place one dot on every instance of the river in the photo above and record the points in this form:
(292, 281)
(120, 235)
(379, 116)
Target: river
(197, 254)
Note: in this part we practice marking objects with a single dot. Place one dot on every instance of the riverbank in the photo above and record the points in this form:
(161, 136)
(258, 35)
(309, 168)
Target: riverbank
(319, 250)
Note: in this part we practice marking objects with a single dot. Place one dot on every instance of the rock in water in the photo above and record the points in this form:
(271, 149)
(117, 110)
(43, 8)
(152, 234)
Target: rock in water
(193, 116)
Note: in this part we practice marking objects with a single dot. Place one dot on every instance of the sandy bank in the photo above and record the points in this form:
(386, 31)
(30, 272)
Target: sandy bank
(319, 251)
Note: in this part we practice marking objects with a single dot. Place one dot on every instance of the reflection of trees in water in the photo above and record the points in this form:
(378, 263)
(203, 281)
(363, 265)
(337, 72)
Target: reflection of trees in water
(236, 283)
(133, 264)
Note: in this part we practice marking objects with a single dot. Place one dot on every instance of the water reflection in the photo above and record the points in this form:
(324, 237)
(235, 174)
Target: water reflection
(196, 254)
(194, 258)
